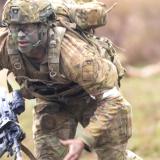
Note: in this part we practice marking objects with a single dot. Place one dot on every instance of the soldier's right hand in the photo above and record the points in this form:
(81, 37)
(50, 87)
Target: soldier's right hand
(75, 148)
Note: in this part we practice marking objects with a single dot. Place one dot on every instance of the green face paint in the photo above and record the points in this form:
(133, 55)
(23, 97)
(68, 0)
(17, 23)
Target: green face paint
(26, 37)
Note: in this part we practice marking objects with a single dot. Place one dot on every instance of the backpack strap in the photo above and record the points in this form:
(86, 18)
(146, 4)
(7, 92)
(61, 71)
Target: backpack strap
(15, 58)
(56, 35)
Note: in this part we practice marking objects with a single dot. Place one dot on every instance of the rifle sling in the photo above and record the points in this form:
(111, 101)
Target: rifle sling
(27, 152)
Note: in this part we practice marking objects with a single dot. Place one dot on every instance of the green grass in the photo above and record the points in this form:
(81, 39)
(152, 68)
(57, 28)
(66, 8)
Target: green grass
(144, 96)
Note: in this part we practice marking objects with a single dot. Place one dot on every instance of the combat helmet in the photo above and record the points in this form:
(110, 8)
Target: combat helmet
(27, 11)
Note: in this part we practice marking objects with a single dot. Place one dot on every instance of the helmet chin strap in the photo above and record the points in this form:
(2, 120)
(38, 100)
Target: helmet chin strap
(37, 44)
(40, 35)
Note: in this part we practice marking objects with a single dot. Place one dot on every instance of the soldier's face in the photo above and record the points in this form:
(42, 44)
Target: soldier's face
(26, 37)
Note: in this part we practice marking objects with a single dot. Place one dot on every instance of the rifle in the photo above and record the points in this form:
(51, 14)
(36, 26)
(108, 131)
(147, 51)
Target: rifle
(11, 133)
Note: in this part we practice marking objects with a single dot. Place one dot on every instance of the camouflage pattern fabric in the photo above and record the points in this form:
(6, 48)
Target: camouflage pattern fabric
(30, 12)
(89, 14)
(80, 14)
(105, 122)
(50, 125)
(84, 65)
(53, 121)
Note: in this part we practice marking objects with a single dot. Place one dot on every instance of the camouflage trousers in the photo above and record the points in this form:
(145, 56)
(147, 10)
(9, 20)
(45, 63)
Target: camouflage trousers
(55, 120)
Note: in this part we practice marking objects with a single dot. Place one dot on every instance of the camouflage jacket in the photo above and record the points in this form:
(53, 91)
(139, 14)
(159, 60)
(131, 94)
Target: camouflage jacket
(81, 64)
(81, 67)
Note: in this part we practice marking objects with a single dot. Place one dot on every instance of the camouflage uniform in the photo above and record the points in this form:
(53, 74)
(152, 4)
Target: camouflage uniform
(83, 93)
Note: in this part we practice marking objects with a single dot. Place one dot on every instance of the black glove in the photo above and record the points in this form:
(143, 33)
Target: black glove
(18, 104)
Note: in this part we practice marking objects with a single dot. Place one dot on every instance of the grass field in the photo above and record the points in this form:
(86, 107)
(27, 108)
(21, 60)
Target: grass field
(144, 96)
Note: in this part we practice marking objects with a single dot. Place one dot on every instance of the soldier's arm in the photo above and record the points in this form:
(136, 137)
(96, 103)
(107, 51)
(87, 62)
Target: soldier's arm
(4, 58)
(98, 77)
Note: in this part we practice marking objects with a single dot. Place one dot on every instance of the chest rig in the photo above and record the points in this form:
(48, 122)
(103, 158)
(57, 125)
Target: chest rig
(19, 63)
(57, 86)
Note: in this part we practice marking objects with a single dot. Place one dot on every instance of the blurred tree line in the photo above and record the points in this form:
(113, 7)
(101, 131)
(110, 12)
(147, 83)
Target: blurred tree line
(134, 27)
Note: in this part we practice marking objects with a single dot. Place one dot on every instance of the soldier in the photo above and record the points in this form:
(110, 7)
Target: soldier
(78, 105)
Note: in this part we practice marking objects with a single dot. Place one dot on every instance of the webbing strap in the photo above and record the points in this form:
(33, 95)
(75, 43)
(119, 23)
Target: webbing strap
(56, 35)
(27, 152)
(15, 57)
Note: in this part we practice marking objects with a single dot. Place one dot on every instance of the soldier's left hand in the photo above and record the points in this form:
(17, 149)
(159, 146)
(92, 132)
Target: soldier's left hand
(75, 148)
